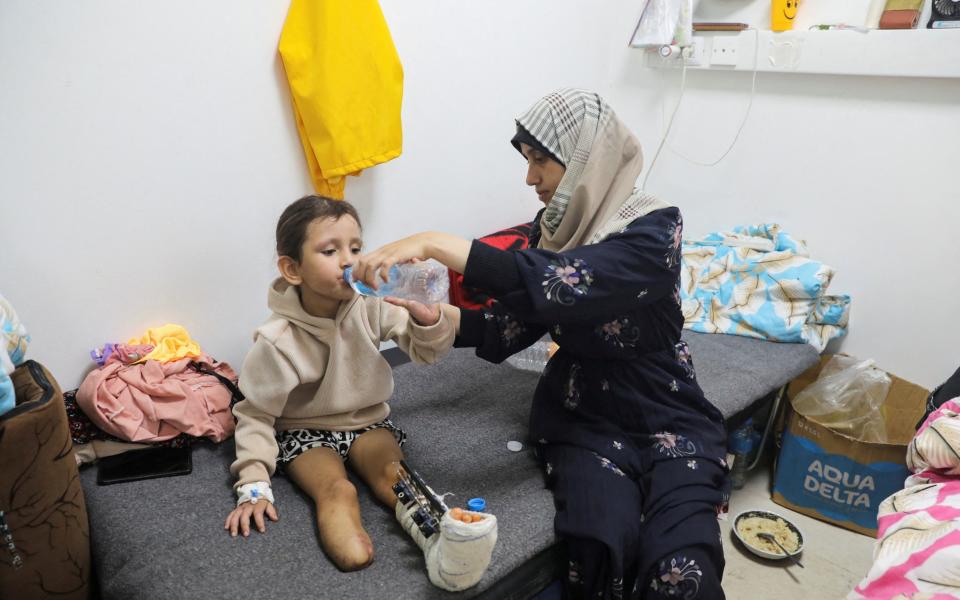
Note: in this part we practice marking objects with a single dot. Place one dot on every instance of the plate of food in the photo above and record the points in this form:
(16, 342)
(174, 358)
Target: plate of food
(750, 524)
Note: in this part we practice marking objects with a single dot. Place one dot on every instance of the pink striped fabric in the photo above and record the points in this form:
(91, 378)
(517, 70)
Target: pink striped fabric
(917, 556)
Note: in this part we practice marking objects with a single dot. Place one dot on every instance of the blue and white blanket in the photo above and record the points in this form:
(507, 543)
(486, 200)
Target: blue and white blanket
(758, 281)
(13, 346)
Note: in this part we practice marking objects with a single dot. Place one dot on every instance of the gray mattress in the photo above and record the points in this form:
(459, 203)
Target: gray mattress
(735, 372)
(164, 538)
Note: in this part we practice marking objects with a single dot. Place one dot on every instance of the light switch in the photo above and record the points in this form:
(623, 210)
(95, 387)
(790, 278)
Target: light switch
(724, 50)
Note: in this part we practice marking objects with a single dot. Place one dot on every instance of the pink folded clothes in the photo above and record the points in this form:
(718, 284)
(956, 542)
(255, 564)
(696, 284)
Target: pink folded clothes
(153, 401)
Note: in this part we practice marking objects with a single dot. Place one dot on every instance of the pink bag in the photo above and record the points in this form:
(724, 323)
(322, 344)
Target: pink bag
(153, 401)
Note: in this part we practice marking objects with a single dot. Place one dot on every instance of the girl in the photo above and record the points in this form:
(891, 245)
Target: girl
(316, 385)
(633, 451)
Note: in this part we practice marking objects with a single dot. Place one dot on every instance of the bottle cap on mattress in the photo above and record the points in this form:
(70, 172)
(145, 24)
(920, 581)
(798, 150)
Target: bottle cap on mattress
(476, 504)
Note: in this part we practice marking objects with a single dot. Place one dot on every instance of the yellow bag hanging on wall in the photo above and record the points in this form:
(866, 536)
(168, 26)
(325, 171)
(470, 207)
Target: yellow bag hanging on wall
(347, 85)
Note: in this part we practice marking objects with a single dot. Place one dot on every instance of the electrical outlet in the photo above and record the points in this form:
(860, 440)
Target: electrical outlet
(724, 50)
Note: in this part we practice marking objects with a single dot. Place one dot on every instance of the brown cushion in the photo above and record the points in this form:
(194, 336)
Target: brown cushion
(42, 501)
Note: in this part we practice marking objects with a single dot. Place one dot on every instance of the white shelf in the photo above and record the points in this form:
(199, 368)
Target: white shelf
(890, 53)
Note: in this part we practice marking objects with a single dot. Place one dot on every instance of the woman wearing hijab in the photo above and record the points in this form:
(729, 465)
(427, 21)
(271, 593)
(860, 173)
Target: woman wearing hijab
(632, 450)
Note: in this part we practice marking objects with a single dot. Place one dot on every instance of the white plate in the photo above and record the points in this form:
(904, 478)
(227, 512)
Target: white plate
(773, 516)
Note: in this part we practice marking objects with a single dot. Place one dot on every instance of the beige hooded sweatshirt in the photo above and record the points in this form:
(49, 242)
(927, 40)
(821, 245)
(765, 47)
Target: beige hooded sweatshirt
(307, 372)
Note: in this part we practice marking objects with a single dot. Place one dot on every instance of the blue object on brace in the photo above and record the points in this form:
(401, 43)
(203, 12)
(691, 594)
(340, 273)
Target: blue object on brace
(477, 504)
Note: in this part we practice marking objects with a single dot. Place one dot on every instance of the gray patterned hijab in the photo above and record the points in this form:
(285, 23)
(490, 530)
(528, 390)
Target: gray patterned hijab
(596, 197)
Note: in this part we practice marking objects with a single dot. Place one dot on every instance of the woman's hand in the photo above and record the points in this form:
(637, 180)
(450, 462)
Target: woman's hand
(448, 249)
(239, 518)
(423, 314)
(382, 259)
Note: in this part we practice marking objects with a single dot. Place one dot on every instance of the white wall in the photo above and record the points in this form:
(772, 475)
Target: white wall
(147, 150)
(859, 168)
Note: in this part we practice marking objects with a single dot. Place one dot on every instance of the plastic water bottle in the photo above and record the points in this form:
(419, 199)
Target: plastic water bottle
(534, 358)
(743, 441)
(425, 281)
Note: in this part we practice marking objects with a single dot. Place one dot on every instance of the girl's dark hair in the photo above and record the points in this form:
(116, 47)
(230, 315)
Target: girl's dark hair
(292, 226)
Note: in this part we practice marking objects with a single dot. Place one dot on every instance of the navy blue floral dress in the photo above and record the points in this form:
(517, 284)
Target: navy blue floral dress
(632, 450)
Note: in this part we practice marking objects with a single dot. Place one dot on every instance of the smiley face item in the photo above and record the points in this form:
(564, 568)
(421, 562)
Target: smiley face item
(782, 13)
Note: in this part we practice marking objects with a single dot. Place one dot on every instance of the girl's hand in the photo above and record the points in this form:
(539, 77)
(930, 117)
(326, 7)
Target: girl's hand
(423, 314)
(239, 518)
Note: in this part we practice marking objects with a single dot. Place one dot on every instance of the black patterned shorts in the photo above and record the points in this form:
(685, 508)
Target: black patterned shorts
(294, 442)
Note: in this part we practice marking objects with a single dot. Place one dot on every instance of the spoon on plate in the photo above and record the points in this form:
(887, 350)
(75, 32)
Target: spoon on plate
(770, 538)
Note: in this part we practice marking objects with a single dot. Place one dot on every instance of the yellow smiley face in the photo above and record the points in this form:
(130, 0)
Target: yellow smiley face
(782, 13)
(791, 10)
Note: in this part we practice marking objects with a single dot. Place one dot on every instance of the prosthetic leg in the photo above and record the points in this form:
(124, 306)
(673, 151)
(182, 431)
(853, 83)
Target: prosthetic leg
(457, 550)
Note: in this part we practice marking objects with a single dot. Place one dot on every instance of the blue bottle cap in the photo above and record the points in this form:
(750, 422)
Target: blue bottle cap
(476, 504)
(358, 286)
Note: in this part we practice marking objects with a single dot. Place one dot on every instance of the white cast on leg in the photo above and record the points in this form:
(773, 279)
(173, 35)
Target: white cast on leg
(459, 555)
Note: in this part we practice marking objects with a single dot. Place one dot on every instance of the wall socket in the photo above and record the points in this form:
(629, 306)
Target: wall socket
(724, 50)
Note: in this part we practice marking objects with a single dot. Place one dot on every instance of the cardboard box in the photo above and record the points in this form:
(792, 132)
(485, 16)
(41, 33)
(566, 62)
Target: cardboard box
(830, 476)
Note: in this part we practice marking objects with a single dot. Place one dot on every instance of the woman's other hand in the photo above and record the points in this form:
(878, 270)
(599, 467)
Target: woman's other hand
(239, 518)
(424, 314)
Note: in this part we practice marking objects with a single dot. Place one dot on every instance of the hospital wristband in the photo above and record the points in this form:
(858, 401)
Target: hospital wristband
(254, 492)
